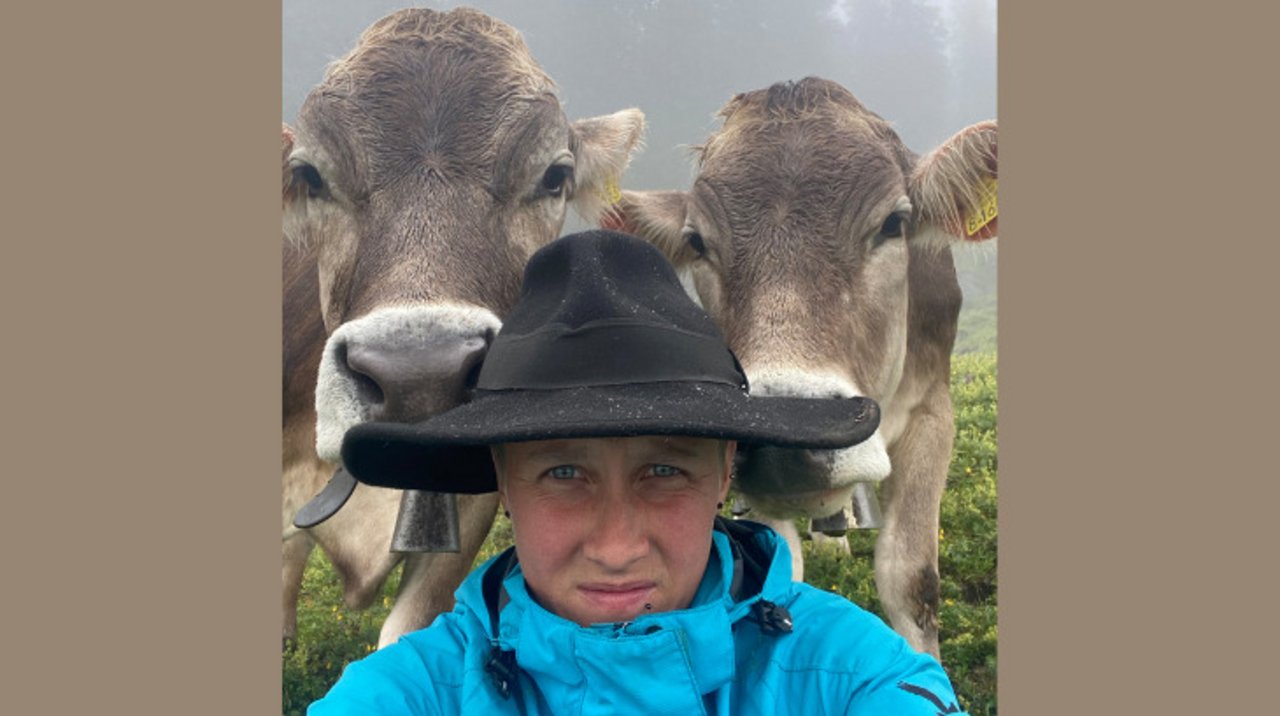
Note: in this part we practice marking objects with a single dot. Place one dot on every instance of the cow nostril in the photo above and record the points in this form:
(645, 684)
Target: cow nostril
(475, 361)
(473, 375)
(410, 376)
(367, 390)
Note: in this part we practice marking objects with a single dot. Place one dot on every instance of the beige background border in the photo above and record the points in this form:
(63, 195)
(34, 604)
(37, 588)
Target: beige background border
(1135, 574)
(142, 356)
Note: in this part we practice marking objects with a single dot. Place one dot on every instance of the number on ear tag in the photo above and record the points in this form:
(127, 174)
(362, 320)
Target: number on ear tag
(986, 212)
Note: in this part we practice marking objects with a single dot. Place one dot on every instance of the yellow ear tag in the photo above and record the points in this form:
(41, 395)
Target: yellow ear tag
(986, 212)
(611, 193)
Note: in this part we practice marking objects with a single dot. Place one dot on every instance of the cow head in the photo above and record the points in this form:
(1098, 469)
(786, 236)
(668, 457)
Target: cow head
(798, 236)
(423, 171)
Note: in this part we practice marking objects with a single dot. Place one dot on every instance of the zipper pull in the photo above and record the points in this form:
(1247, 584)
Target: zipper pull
(773, 619)
(501, 667)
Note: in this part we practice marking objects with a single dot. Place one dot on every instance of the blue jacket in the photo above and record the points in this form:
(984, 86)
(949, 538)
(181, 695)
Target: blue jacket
(752, 642)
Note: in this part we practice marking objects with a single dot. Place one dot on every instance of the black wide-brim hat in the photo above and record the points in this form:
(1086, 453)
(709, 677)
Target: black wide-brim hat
(604, 342)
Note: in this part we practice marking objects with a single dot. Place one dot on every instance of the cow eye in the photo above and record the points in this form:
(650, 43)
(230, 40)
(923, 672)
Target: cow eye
(309, 175)
(894, 227)
(696, 243)
(556, 180)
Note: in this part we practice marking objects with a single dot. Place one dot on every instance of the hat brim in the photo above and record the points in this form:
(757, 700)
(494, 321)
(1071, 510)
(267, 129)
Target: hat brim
(449, 452)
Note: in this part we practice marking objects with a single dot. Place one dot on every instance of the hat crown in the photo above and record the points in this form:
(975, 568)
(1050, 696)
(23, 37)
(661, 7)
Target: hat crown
(604, 308)
(600, 276)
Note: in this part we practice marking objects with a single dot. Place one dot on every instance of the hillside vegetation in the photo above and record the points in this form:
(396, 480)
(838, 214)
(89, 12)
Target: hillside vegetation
(976, 271)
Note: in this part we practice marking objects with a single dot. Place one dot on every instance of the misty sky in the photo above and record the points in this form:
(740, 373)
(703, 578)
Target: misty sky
(927, 66)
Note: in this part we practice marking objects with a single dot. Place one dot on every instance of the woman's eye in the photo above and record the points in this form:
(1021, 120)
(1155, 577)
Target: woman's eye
(563, 472)
(664, 471)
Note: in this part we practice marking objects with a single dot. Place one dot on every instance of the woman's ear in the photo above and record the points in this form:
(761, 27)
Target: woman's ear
(730, 450)
(499, 462)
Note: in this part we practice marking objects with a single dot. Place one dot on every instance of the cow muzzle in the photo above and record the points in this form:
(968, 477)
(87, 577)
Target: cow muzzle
(812, 483)
(400, 364)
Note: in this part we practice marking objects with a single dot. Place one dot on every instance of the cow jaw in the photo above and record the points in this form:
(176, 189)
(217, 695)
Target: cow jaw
(806, 483)
(400, 363)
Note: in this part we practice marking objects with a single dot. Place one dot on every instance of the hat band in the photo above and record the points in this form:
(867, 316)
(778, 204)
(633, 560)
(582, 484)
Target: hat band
(606, 353)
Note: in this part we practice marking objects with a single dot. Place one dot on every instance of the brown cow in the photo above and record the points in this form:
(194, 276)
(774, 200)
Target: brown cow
(821, 245)
(428, 165)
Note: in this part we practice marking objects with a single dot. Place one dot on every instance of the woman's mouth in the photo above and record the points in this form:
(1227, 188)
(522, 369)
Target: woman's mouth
(617, 601)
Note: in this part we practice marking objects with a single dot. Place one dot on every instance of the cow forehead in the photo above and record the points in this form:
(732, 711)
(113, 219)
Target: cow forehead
(463, 35)
(824, 110)
(414, 55)
(451, 89)
(806, 148)
(452, 137)
(818, 178)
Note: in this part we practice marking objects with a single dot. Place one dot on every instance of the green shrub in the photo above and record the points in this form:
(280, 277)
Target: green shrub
(967, 550)
(966, 547)
(330, 636)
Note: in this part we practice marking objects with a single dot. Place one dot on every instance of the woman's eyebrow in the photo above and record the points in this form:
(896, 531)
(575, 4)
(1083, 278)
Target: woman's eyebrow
(660, 447)
(555, 452)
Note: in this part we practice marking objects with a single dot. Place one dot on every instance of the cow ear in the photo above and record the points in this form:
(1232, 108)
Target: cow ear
(291, 226)
(655, 216)
(953, 188)
(286, 144)
(602, 148)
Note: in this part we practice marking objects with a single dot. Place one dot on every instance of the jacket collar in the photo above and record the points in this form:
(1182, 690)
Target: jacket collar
(551, 648)
(561, 650)
(691, 649)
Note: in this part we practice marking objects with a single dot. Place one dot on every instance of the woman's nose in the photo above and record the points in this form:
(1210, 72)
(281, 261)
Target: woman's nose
(618, 538)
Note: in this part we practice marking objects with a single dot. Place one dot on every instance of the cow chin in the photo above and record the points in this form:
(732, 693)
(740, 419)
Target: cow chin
(783, 482)
(397, 364)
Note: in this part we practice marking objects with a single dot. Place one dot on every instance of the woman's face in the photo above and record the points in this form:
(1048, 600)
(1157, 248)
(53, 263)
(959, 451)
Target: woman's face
(609, 528)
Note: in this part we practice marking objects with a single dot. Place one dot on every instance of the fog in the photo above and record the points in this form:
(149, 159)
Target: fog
(928, 67)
